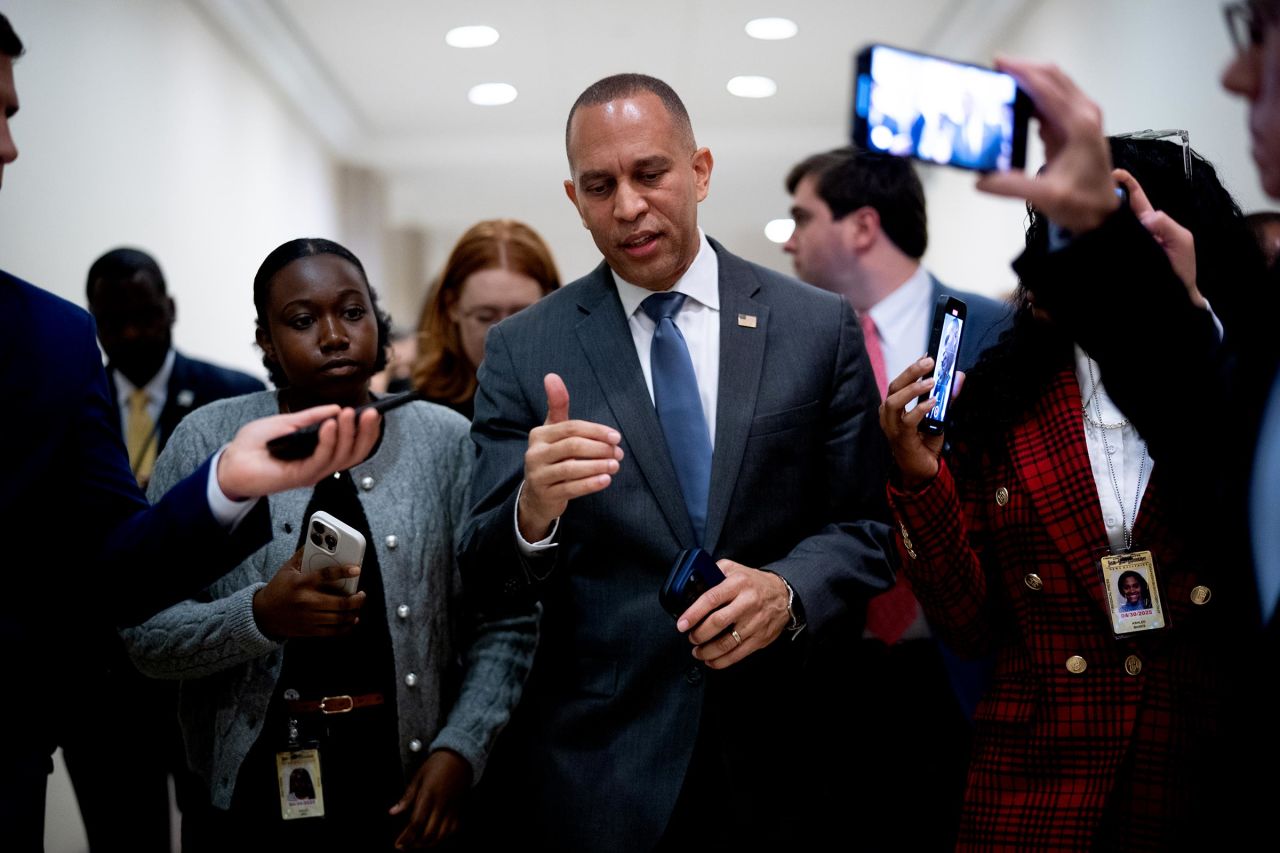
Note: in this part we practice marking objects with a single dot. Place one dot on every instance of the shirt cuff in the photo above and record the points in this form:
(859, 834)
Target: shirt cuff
(527, 548)
(1216, 322)
(226, 512)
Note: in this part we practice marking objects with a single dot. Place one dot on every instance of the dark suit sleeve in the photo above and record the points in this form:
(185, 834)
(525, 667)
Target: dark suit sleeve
(493, 568)
(847, 560)
(153, 556)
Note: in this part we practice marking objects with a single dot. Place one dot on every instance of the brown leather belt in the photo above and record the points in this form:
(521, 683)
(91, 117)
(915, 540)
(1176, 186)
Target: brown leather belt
(334, 704)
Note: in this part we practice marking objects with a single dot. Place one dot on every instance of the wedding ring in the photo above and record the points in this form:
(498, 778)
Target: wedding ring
(734, 633)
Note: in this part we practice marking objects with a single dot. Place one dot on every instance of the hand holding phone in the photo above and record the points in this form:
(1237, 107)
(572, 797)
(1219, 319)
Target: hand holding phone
(301, 443)
(692, 574)
(938, 110)
(944, 349)
(330, 542)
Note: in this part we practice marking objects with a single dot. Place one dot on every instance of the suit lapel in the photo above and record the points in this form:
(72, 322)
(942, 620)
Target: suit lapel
(605, 338)
(741, 358)
(1051, 457)
(179, 398)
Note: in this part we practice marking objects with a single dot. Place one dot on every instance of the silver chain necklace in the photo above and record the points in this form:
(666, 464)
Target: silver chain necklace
(1126, 524)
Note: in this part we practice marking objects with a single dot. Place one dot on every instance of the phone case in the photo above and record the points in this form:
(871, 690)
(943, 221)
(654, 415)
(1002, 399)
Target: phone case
(946, 308)
(692, 574)
(330, 542)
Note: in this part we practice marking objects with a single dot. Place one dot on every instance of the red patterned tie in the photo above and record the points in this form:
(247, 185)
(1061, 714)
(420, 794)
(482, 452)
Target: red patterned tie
(890, 613)
(871, 338)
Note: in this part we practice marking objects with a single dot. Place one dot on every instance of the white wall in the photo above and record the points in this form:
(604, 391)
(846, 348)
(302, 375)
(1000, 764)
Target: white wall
(139, 125)
(1148, 64)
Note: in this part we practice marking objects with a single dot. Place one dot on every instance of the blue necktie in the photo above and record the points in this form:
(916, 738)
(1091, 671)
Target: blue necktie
(675, 396)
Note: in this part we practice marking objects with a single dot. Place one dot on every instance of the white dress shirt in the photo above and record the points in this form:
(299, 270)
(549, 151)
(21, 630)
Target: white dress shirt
(904, 320)
(699, 323)
(1126, 449)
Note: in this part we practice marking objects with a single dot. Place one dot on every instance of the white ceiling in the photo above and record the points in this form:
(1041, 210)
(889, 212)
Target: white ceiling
(377, 82)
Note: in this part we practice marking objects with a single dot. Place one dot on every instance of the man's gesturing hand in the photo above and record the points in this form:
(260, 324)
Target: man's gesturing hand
(565, 460)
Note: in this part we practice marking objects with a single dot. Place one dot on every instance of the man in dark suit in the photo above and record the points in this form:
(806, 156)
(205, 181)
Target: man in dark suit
(635, 732)
(121, 782)
(84, 548)
(156, 385)
(860, 231)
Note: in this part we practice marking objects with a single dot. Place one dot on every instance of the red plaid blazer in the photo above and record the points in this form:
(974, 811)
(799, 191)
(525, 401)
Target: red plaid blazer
(1062, 759)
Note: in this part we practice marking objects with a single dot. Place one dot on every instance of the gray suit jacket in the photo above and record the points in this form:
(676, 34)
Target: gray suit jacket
(613, 707)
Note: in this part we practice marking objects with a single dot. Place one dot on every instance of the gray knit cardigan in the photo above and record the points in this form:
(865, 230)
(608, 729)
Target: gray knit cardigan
(414, 491)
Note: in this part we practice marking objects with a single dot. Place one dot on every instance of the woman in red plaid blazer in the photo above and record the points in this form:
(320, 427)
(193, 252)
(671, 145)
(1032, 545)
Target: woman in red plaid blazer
(1084, 741)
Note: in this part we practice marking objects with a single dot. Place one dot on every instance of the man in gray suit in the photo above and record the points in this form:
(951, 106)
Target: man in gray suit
(861, 228)
(636, 732)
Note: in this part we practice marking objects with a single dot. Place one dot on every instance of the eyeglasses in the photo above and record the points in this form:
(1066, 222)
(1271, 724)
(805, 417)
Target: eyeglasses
(1181, 137)
(1247, 22)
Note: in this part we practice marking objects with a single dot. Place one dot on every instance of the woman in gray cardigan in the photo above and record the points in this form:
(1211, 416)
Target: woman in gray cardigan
(399, 687)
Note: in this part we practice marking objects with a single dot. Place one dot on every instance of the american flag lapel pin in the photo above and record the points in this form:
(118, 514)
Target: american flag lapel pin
(747, 321)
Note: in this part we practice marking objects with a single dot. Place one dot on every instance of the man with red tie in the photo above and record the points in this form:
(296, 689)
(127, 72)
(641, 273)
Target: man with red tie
(860, 231)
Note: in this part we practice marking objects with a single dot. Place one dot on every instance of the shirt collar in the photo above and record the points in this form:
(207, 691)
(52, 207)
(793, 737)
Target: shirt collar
(156, 389)
(1088, 377)
(701, 281)
(894, 309)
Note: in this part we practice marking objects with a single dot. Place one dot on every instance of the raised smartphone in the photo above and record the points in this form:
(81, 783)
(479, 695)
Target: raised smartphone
(301, 443)
(330, 542)
(944, 349)
(938, 110)
(692, 574)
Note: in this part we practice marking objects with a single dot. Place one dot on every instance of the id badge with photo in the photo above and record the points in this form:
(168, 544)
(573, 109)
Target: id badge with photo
(298, 777)
(1132, 591)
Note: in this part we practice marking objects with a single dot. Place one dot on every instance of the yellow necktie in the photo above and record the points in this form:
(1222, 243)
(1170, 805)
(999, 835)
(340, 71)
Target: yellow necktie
(141, 437)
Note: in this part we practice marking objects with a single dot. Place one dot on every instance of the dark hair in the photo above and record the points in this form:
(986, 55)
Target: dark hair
(10, 44)
(442, 371)
(1011, 376)
(1146, 590)
(306, 247)
(850, 178)
(624, 85)
(1227, 255)
(122, 264)
(1258, 224)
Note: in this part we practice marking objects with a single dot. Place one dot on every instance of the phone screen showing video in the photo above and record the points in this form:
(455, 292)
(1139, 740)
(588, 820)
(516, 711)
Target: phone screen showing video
(944, 368)
(914, 105)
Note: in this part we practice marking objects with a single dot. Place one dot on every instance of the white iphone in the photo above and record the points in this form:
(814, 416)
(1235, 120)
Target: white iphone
(330, 542)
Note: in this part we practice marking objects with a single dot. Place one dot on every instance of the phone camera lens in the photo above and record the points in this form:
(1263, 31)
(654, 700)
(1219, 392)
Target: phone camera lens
(315, 527)
(315, 538)
(331, 541)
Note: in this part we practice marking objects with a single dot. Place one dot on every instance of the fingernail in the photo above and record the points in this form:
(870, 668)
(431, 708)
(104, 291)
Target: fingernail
(682, 625)
(614, 436)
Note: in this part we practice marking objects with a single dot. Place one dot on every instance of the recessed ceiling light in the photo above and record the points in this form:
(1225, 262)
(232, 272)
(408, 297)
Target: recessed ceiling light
(779, 230)
(772, 29)
(477, 36)
(752, 87)
(492, 94)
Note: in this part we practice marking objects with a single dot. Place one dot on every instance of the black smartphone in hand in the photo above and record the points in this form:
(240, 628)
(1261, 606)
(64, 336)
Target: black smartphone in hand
(692, 574)
(944, 349)
(938, 110)
(301, 443)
